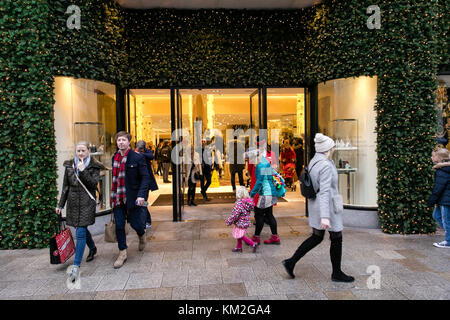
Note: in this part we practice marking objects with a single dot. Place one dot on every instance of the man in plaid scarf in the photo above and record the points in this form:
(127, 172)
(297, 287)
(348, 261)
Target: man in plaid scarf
(129, 192)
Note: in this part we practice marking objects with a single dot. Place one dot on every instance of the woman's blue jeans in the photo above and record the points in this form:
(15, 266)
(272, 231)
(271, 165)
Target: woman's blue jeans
(84, 238)
(442, 216)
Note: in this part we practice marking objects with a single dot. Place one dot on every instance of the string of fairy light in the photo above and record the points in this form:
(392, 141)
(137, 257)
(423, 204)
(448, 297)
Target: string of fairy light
(234, 48)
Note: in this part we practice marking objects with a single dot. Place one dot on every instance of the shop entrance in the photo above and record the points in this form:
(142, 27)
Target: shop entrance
(204, 119)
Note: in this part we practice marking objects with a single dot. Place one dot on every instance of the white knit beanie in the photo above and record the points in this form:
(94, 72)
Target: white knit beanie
(323, 143)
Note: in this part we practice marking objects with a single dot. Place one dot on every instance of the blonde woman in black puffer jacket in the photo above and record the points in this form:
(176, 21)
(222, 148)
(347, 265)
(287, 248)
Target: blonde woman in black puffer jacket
(81, 203)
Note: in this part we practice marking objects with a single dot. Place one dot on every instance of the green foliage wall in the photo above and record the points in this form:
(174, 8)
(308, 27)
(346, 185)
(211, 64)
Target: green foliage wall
(27, 140)
(225, 48)
(35, 46)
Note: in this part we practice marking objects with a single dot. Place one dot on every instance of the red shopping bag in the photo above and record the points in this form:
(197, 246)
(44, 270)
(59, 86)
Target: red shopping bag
(62, 246)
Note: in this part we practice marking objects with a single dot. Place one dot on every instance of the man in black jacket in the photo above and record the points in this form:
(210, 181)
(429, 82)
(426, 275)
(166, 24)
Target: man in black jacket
(129, 189)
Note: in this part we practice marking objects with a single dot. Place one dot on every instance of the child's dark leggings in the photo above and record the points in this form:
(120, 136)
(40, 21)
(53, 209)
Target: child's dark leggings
(260, 215)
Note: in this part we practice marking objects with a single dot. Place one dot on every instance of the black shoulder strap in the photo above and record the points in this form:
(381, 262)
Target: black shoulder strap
(309, 169)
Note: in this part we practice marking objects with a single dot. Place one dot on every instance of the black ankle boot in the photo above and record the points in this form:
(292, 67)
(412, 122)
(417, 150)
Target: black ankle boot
(91, 254)
(341, 277)
(289, 268)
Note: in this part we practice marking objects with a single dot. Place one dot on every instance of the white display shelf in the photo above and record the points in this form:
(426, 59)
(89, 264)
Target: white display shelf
(343, 170)
(346, 148)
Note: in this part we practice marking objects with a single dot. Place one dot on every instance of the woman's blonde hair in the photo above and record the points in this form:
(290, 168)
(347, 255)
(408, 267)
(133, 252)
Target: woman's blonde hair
(82, 143)
(442, 153)
(241, 192)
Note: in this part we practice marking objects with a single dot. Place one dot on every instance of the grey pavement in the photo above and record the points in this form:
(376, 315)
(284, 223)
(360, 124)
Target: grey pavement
(193, 260)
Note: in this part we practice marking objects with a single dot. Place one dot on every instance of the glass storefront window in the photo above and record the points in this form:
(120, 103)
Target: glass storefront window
(85, 110)
(286, 131)
(346, 114)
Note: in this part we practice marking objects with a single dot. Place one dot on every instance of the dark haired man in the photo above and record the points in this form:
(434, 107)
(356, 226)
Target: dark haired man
(129, 189)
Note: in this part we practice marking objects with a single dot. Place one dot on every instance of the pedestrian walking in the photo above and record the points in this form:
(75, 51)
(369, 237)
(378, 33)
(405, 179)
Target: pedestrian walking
(153, 186)
(158, 159)
(129, 192)
(81, 176)
(440, 197)
(165, 155)
(240, 217)
(266, 194)
(237, 162)
(207, 162)
(299, 151)
(325, 211)
(193, 172)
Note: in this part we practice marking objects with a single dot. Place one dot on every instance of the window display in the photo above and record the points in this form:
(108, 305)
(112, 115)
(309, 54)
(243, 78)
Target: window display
(346, 114)
(345, 134)
(85, 110)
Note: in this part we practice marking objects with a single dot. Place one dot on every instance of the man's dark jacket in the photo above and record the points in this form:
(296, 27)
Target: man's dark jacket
(136, 178)
(441, 189)
(148, 158)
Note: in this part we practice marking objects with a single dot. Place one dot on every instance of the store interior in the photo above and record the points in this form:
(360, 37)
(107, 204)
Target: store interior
(218, 110)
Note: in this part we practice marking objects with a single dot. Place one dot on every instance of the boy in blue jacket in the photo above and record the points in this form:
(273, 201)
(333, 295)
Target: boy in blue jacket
(440, 198)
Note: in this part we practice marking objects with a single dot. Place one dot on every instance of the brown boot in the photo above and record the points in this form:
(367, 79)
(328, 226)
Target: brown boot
(142, 242)
(121, 259)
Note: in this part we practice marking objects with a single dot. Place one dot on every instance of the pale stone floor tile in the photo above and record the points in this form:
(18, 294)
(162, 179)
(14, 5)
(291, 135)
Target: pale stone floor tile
(175, 278)
(290, 286)
(424, 292)
(149, 294)
(274, 297)
(259, 288)
(378, 294)
(110, 295)
(204, 276)
(113, 282)
(308, 295)
(238, 274)
(74, 296)
(144, 280)
(223, 290)
(186, 293)
(22, 288)
(52, 287)
(389, 254)
(340, 295)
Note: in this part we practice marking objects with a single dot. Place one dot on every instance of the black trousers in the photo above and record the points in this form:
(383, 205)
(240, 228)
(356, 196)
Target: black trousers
(316, 238)
(191, 189)
(233, 177)
(266, 215)
(207, 172)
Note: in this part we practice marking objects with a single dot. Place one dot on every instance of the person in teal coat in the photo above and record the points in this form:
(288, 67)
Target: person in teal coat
(268, 197)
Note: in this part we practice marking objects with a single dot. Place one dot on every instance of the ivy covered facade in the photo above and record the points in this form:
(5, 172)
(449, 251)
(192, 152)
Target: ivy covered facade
(217, 48)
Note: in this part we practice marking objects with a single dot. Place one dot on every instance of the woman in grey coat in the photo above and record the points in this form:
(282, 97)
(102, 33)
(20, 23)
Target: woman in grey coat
(325, 211)
(81, 203)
